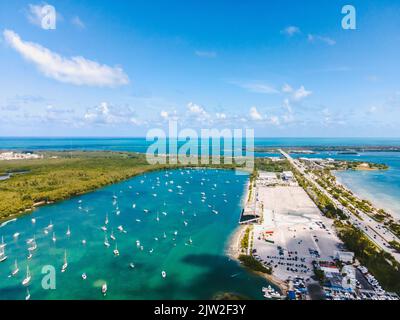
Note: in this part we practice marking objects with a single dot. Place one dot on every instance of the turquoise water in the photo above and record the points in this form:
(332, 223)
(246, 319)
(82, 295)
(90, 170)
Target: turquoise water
(195, 270)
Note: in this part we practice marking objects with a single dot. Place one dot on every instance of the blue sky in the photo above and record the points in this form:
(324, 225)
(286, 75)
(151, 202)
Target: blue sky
(119, 68)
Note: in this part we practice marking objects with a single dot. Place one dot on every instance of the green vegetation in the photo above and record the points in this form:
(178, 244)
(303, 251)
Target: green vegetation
(381, 264)
(61, 175)
(244, 242)
(265, 164)
(253, 264)
(395, 245)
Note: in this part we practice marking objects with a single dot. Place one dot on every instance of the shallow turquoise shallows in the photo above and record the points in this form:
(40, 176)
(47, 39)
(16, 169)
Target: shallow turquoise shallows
(181, 218)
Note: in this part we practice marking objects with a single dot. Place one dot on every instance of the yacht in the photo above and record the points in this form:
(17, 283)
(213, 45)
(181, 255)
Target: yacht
(131, 265)
(16, 235)
(112, 235)
(104, 228)
(16, 269)
(28, 277)
(33, 220)
(65, 265)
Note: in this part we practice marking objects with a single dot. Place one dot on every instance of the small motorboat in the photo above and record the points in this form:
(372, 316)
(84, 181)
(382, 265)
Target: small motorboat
(163, 274)
(131, 265)
(84, 276)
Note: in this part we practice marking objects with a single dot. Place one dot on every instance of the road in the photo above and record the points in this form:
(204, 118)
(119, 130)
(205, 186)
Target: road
(374, 230)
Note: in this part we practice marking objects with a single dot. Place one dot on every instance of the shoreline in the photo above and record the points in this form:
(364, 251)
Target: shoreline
(376, 203)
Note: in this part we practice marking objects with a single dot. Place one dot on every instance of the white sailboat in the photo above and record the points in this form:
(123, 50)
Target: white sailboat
(54, 237)
(106, 243)
(116, 252)
(2, 244)
(104, 289)
(65, 265)
(28, 277)
(33, 245)
(68, 233)
(16, 269)
(3, 256)
(106, 221)
(50, 225)
(158, 218)
(112, 235)
(28, 295)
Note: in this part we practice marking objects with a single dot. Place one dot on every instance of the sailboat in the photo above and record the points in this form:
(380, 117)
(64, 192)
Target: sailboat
(112, 235)
(106, 243)
(50, 225)
(28, 295)
(28, 277)
(2, 244)
(116, 252)
(3, 256)
(68, 232)
(106, 221)
(16, 269)
(65, 265)
(54, 237)
(158, 218)
(33, 245)
(164, 236)
(104, 289)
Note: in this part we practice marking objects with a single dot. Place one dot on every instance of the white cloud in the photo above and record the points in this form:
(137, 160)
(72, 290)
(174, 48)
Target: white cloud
(291, 30)
(258, 87)
(301, 93)
(164, 115)
(74, 70)
(205, 54)
(77, 22)
(106, 114)
(220, 116)
(254, 114)
(287, 88)
(326, 40)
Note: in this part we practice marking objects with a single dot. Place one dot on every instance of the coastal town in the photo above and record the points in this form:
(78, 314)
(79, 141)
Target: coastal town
(8, 156)
(298, 244)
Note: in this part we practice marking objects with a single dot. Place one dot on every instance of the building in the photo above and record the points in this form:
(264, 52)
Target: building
(344, 256)
(288, 175)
